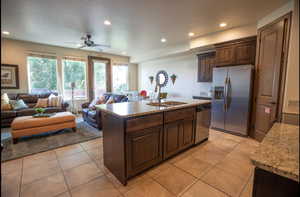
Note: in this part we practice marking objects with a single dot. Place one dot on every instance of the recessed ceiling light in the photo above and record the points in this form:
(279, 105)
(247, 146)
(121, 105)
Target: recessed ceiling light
(79, 45)
(223, 24)
(163, 40)
(124, 53)
(107, 22)
(5, 32)
(191, 34)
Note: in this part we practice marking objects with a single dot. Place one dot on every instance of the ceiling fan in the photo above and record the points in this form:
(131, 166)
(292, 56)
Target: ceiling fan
(87, 42)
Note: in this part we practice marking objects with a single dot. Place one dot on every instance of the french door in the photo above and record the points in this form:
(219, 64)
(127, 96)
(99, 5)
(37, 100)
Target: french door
(99, 76)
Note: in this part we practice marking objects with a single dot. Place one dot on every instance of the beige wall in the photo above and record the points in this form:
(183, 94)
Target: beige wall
(15, 52)
(292, 77)
(184, 65)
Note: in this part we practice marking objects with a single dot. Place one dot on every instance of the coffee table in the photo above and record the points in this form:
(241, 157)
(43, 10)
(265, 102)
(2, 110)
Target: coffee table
(28, 125)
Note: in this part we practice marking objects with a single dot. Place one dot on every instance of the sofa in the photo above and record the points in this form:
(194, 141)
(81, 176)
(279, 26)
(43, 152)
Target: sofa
(93, 116)
(30, 99)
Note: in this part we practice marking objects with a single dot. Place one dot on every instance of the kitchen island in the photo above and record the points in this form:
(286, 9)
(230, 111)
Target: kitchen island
(276, 162)
(140, 135)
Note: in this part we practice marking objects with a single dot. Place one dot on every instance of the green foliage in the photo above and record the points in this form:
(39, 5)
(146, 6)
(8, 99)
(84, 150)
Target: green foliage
(100, 75)
(74, 71)
(40, 110)
(42, 73)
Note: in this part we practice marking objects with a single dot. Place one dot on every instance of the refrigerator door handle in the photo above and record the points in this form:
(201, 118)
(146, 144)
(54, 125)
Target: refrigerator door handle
(225, 95)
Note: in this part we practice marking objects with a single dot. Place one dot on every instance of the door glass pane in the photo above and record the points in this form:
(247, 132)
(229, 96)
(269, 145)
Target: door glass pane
(120, 78)
(99, 78)
(74, 72)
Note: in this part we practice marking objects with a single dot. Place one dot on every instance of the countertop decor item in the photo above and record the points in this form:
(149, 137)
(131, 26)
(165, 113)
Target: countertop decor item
(9, 76)
(151, 78)
(173, 78)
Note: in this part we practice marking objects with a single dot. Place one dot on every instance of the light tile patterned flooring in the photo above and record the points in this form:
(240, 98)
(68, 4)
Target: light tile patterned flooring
(216, 168)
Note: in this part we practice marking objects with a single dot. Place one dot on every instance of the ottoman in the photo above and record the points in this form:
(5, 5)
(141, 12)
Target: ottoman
(28, 125)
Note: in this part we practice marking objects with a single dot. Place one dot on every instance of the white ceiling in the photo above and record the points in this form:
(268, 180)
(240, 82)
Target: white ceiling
(137, 25)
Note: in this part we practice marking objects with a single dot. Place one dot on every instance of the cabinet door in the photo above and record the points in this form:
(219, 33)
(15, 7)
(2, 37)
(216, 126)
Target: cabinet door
(172, 138)
(245, 53)
(144, 149)
(205, 64)
(188, 136)
(225, 56)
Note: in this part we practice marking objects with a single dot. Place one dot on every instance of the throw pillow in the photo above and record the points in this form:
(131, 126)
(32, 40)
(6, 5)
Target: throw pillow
(54, 101)
(92, 104)
(97, 101)
(6, 107)
(110, 100)
(41, 103)
(101, 100)
(4, 99)
(18, 104)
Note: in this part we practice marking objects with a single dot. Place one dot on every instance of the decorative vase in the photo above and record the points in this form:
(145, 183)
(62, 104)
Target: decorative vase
(173, 78)
(151, 78)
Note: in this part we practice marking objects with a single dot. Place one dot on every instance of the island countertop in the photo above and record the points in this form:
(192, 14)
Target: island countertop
(279, 151)
(139, 108)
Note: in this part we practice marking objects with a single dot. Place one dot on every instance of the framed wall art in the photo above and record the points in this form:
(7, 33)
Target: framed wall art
(9, 76)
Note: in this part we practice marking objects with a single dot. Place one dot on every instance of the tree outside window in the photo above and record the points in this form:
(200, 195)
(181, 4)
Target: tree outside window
(74, 71)
(42, 74)
(120, 78)
(99, 78)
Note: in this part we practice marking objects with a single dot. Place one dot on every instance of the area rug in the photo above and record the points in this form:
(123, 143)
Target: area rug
(47, 141)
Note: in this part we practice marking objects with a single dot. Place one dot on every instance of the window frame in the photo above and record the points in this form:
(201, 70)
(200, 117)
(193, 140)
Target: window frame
(63, 79)
(29, 70)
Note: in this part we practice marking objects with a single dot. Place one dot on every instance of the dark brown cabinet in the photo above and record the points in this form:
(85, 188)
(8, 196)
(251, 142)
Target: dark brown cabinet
(206, 62)
(144, 149)
(236, 52)
(134, 144)
(178, 134)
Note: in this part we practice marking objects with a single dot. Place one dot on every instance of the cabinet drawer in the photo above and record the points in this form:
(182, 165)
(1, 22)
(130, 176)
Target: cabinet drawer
(144, 122)
(180, 114)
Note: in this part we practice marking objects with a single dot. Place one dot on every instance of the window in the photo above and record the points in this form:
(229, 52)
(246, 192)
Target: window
(74, 71)
(42, 74)
(120, 78)
(99, 78)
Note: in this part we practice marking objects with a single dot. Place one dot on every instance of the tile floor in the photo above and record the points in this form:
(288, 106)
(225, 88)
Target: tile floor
(216, 168)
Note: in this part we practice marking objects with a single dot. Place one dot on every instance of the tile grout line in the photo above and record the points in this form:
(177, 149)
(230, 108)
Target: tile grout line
(20, 187)
(199, 179)
(62, 171)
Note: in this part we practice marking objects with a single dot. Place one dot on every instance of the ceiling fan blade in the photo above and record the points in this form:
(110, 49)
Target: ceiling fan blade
(101, 45)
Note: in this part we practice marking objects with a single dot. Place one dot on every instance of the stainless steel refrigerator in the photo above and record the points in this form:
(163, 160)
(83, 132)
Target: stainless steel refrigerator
(231, 99)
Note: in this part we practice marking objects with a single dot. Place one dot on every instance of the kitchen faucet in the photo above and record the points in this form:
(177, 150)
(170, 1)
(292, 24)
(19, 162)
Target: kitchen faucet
(158, 95)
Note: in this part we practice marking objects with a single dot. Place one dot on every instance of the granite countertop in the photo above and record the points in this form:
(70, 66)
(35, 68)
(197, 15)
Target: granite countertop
(279, 151)
(138, 108)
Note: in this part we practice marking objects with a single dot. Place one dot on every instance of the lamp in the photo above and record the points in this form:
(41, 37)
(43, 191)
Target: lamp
(72, 84)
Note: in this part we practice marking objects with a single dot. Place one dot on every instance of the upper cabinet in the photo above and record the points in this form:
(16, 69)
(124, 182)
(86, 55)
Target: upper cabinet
(206, 62)
(236, 52)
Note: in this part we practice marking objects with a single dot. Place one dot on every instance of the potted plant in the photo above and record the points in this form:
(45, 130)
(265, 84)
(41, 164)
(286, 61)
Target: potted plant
(40, 110)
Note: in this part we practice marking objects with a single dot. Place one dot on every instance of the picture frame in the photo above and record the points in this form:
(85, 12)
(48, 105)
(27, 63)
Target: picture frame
(9, 76)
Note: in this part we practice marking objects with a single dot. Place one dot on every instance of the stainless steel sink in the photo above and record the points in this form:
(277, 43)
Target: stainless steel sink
(166, 103)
